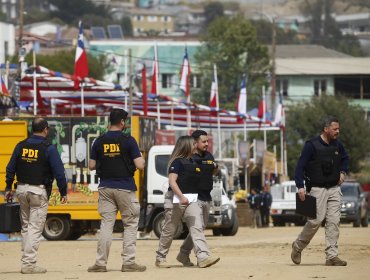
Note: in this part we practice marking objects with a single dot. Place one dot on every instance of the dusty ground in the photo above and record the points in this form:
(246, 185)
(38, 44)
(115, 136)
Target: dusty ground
(251, 254)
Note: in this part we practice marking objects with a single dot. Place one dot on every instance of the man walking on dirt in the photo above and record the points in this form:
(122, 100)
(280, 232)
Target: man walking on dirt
(323, 165)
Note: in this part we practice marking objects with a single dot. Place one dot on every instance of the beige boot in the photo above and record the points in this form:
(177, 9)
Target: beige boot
(208, 262)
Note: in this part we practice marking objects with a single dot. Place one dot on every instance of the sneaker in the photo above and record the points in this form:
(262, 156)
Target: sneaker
(133, 268)
(33, 270)
(295, 255)
(208, 262)
(162, 264)
(185, 260)
(97, 268)
(335, 262)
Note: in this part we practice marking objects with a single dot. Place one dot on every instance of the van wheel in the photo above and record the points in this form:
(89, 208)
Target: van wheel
(75, 235)
(364, 221)
(57, 227)
(357, 223)
(216, 232)
(231, 231)
(158, 223)
(277, 222)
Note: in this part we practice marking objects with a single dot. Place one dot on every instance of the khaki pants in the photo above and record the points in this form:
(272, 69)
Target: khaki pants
(256, 218)
(33, 202)
(192, 215)
(328, 203)
(188, 244)
(111, 201)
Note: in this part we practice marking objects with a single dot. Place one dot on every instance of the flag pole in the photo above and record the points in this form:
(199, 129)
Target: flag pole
(188, 112)
(246, 109)
(285, 155)
(156, 84)
(145, 96)
(264, 116)
(82, 100)
(245, 129)
(172, 109)
(281, 152)
(218, 114)
(125, 79)
(34, 85)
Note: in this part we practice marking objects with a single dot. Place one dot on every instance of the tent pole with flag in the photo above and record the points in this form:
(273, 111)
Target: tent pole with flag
(214, 102)
(155, 83)
(81, 66)
(184, 84)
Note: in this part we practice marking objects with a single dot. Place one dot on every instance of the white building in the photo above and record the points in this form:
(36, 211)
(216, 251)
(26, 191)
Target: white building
(7, 41)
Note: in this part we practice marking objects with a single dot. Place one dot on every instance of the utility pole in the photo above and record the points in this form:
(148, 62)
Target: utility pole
(20, 49)
(130, 82)
(20, 35)
(273, 65)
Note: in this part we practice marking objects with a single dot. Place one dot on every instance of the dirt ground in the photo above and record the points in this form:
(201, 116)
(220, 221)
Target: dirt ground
(251, 254)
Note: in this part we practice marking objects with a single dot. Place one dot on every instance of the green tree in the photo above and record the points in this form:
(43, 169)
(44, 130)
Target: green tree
(303, 123)
(264, 33)
(324, 29)
(3, 17)
(72, 11)
(235, 51)
(63, 61)
(126, 26)
(212, 11)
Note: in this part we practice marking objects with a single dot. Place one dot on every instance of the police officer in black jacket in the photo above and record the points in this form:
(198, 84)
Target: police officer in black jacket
(208, 167)
(35, 162)
(184, 178)
(323, 165)
(115, 158)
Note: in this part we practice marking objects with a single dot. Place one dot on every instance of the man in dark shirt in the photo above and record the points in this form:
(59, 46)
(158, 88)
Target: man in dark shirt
(323, 165)
(254, 199)
(36, 163)
(266, 201)
(115, 157)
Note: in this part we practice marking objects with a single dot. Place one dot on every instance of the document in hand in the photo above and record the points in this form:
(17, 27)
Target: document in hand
(192, 197)
(306, 207)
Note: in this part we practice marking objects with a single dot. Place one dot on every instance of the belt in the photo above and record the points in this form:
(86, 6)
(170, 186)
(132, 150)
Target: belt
(326, 186)
(29, 185)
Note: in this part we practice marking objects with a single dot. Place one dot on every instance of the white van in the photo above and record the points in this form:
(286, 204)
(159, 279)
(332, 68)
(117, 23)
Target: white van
(284, 204)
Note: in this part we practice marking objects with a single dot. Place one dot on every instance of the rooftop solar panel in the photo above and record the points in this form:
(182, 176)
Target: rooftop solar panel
(115, 32)
(98, 32)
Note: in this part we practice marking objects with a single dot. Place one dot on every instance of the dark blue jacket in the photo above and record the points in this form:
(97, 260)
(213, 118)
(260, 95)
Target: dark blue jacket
(53, 158)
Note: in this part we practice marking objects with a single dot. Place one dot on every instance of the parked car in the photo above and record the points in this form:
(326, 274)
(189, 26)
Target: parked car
(284, 204)
(354, 204)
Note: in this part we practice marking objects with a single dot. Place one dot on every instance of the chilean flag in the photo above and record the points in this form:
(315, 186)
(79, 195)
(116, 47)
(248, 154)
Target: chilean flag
(154, 77)
(280, 113)
(262, 108)
(185, 73)
(242, 100)
(81, 66)
(3, 88)
(213, 101)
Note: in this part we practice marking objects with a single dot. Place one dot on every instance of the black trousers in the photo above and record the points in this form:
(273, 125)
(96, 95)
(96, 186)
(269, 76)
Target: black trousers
(265, 216)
